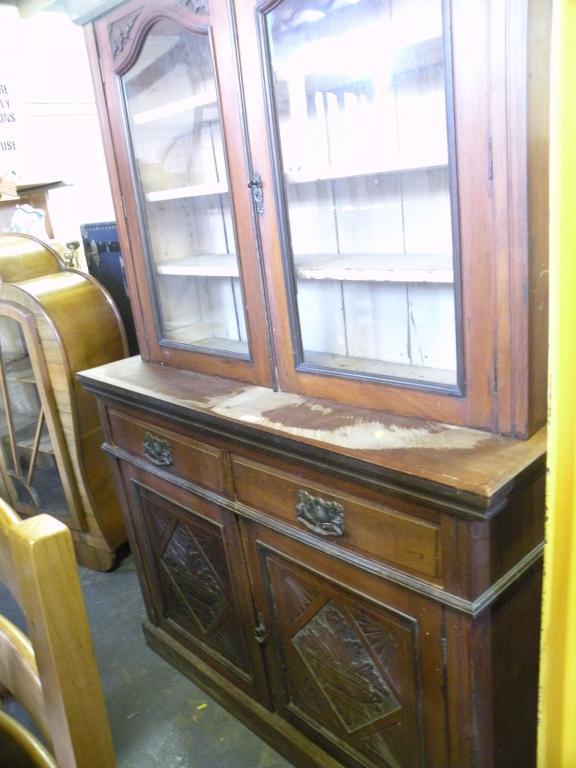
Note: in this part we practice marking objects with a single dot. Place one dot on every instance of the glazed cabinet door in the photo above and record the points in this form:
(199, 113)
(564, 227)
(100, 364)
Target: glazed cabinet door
(186, 187)
(374, 131)
(34, 459)
(355, 663)
(193, 577)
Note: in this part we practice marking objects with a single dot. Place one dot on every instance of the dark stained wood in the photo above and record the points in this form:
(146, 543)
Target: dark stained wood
(446, 619)
(409, 637)
(186, 458)
(198, 587)
(258, 369)
(345, 654)
(270, 726)
(378, 531)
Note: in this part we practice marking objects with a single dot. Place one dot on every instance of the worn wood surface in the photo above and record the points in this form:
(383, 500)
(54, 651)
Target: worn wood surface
(456, 458)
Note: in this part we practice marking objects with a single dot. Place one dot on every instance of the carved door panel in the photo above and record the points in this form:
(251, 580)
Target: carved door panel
(355, 663)
(196, 585)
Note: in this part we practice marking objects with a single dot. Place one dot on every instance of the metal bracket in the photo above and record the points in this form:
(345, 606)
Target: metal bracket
(255, 185)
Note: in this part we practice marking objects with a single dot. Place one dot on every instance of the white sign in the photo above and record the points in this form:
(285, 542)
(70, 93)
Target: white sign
(8, 129)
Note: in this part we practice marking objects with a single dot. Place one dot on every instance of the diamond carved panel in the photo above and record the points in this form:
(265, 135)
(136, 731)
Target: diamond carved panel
(194, 578)
(343, 669)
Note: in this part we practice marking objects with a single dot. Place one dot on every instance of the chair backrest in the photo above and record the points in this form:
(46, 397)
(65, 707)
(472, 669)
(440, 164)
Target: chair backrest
(51, 672)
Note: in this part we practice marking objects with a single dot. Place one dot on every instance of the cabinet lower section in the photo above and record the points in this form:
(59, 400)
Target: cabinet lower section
(347, 623)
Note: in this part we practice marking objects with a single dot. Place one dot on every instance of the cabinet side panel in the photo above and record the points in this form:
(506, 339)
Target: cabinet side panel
(539, 24)
(515, 650)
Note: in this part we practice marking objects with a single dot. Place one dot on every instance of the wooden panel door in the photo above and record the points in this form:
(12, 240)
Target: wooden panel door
(355, 663)
(194, 581)
(177, 134)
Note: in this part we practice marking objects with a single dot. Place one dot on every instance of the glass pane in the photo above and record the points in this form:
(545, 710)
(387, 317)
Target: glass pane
(359, 94)
(180, 165)
(27, 452)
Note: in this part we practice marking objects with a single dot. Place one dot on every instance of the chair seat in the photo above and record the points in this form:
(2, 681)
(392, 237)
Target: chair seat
(19, 748)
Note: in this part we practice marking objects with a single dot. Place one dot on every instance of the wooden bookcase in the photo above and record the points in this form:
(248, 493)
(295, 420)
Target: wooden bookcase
(330, 451)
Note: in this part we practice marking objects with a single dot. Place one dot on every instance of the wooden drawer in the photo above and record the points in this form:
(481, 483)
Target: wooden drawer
(372, 530)
(186, 458)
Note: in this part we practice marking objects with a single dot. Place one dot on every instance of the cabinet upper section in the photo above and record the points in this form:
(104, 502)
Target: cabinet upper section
(336, 197)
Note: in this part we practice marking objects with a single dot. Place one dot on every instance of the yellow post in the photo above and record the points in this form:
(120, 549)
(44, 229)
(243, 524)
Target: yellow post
(557, 729)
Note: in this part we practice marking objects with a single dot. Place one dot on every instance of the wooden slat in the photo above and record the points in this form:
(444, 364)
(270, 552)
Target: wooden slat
(19, 673)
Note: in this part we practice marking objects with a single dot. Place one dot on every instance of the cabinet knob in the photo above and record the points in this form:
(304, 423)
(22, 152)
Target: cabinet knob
(157, 450)
(255, 185)
(323, 517)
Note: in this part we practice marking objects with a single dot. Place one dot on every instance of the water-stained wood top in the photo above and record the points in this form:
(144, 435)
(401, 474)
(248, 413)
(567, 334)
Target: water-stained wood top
(465, 460)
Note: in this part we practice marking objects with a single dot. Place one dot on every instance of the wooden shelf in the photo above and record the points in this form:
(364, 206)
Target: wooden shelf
(206, 265)
(381, 268)
(24, 376)
(197, 190)
(26, 441)
(175, 109)
(394, 164)
(183, 333)
(25, 429)
(381, 368)
(371, 267)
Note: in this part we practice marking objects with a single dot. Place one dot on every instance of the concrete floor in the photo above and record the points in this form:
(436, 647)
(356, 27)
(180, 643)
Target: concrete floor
(159, 719)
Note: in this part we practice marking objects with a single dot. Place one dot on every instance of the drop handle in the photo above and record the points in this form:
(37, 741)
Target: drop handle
(157, 450)
(255, 186)
(326, 518)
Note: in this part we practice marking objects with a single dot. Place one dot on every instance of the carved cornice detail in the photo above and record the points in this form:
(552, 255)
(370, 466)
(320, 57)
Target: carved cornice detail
(120, 30)
(198, 6)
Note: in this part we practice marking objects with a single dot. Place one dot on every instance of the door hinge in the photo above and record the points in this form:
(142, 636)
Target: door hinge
(260, 632)
(443, 649)
(490, 160)
(123, 202)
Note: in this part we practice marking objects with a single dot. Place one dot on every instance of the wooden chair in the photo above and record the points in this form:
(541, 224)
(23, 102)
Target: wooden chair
(52, 673)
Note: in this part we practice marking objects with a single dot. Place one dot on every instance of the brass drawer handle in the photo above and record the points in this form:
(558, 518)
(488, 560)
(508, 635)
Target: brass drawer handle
(158, 451)
(323, 517)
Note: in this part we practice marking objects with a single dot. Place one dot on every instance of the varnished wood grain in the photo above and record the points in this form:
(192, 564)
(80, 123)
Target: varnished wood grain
(69, 309)
(23, 257)
(37, 564)
(379, 531)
